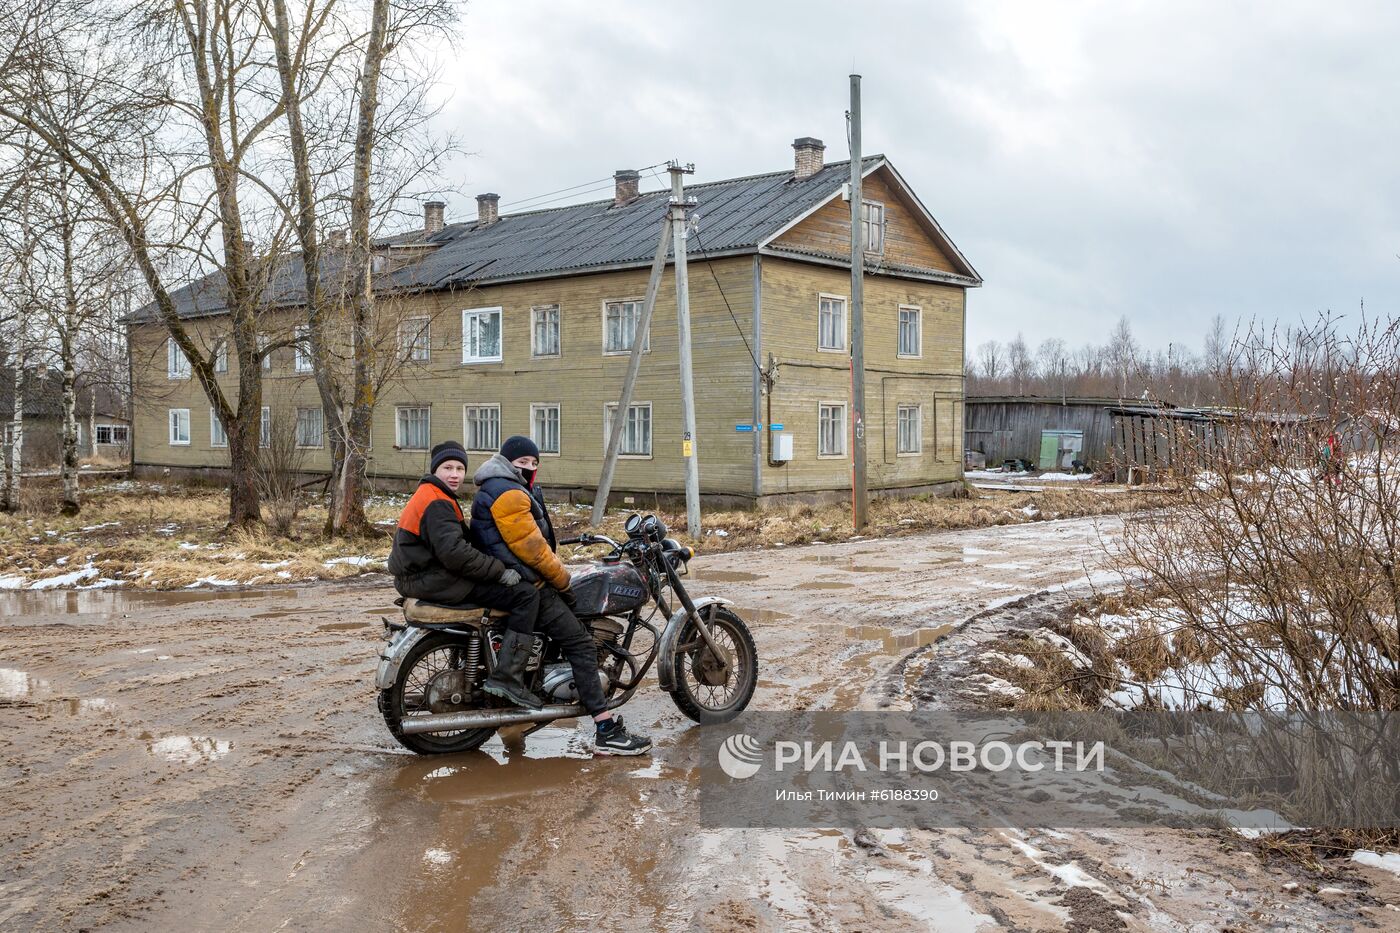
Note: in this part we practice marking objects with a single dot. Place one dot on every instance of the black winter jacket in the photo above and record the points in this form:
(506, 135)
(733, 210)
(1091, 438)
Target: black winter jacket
(432, 557)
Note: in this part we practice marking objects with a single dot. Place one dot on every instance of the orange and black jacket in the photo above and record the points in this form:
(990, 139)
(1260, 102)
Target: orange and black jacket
(509, 522)
(432, 557)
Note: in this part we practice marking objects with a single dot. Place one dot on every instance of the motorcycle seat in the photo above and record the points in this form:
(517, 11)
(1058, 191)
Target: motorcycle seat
(419, 610)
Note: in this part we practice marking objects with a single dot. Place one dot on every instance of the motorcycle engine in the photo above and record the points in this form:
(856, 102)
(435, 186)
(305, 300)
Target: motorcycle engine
(558, 683)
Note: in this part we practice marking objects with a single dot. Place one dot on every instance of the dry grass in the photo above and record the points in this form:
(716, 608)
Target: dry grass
(168, 536)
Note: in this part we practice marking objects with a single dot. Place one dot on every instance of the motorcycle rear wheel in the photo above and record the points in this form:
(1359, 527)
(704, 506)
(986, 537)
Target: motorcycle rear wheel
(431, 656)
(694, 666)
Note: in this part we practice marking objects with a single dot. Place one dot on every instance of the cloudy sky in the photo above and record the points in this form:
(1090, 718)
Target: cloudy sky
(1164, 161)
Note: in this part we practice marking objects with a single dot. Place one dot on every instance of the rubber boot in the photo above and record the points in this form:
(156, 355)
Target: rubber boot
(507, 680)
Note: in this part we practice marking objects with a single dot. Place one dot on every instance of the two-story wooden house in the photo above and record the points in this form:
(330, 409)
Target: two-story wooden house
(522, 323)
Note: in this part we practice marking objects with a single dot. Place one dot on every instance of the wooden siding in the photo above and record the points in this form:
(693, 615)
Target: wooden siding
(808, 376)
(907, 239)
(582, 380)
(1007, 429)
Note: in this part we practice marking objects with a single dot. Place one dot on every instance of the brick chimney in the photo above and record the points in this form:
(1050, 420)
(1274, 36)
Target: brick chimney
(629, 183)
(432, 217)
(807, 157)
(487, 209)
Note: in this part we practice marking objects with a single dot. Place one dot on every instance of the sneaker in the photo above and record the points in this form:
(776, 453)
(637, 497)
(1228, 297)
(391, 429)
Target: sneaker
(614, 739)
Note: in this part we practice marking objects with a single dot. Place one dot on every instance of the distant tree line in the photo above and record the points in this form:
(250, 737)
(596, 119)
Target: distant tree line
(1119, 368)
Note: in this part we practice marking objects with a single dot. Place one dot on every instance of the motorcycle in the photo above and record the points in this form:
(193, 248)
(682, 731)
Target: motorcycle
(437, 658)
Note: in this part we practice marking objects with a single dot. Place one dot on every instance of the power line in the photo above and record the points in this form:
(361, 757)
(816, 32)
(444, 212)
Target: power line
(705, 254)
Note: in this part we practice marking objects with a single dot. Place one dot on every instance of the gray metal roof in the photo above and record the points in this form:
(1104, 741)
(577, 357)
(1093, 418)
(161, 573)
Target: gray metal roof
(736, 215)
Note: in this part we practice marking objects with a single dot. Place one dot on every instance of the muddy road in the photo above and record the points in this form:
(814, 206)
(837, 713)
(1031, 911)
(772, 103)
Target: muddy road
(216, 760)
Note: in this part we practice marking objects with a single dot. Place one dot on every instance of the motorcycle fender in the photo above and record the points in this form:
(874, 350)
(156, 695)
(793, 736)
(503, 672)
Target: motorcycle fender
(391, 658)
(665, 665)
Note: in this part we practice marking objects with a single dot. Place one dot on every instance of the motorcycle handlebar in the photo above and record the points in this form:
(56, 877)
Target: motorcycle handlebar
(591, 539)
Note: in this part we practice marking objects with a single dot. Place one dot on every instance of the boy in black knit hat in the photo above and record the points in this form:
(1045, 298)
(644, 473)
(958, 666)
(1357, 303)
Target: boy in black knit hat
(510, 522)
(432, 559)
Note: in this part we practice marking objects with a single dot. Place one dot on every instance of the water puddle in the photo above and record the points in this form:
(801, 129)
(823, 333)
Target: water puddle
(888, 640)
(190, 749)
(73, 706)
(827, 585)
(341, 626)
(761, 615)
(18, 604)
(18, 685)
(724, 576)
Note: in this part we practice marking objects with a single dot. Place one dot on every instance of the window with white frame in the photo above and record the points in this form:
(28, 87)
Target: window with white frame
(412, 428)
(266, 357)
(481, 335)
(911, 330)
(221, 355)
(636, 431)
(831, 323)
(265, 427)
(415, 339)
(620, 322)
(482, 426)
(831, 430)
(302, 336)
(872, 225)
(909, 429)
(544, 427)
(179, 427)
(544, 330)
(177, 365)
(217, 436)
(310, 427)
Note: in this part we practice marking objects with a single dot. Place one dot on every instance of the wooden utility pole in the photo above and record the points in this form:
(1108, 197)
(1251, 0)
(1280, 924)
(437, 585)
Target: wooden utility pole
(634, 364)
(860, 493)
(688, 440)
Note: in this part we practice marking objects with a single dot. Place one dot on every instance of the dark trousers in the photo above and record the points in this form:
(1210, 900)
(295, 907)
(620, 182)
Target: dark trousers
(558, 621)
(522, 601)
(544, 611)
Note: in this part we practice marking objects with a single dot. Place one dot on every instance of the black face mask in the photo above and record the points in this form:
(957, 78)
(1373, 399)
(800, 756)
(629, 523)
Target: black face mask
(529, 476)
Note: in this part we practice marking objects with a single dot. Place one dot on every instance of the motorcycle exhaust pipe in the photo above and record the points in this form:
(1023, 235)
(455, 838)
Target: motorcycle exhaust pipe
(488, 718)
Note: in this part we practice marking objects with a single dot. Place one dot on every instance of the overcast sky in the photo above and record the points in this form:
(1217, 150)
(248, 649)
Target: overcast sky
(1167, 161)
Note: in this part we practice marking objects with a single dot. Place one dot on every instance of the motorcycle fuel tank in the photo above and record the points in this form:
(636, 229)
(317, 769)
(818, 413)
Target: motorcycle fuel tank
(608, 589)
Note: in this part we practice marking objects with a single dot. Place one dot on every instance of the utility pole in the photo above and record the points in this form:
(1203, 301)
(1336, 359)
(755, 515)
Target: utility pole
(634, 364)
(679, 235)
(860, 492)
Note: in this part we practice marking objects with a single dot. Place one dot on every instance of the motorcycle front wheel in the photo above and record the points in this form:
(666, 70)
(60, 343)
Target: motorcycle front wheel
(436, 657)
(713, 689)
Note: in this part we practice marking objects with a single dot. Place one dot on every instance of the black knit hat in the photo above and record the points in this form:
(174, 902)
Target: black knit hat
(517, 446)
(447, 450)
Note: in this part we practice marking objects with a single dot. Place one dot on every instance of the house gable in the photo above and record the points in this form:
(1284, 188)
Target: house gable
(913, 239)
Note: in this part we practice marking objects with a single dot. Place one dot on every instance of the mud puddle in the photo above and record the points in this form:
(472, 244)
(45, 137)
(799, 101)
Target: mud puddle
(189, 749)
(342, 626)
(17, 604)
(724, 576)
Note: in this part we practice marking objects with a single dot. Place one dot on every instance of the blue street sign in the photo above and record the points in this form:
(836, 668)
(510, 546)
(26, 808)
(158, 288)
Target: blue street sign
(743, 427)
(775, 427)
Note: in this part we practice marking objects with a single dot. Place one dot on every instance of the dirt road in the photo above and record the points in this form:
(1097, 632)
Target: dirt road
(216, 761)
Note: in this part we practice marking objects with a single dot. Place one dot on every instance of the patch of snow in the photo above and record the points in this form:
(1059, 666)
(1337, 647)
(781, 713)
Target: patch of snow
(101, 584)
(103, 525)
(60, 562)
(1064, 477)
(284, 574)
(719, 533)
(273, 564)
(11, 583)
(187, 546)
(67, 579)
(353, 561)
(211, 581)
(1390, 861)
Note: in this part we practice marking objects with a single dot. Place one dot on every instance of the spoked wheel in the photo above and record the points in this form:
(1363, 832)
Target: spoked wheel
(431, 680)
(714, 687)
